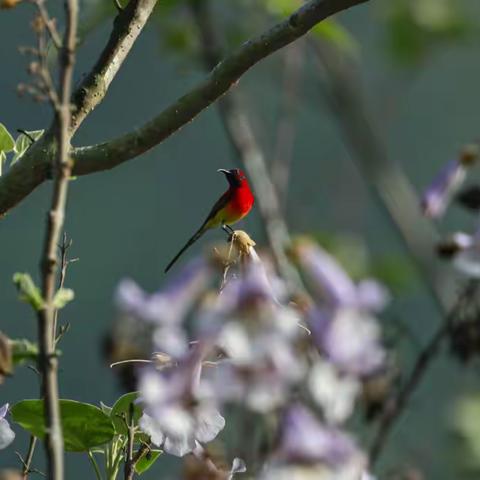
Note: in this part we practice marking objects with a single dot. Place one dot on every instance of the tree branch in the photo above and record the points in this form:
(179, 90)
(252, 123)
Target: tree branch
(127, 26)
(33, 168)
(48, 363)
(397, 404)
(388, 181)
(286, 128)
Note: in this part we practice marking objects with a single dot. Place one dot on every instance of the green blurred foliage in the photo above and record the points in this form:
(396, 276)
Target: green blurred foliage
(24, 351)
(466, 435)
(28, 291)
(395, 271)
(6, 144)
(415, 27)
(23, 142)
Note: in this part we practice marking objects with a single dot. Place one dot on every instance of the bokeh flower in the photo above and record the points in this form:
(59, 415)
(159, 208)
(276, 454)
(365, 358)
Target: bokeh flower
(176, 416)
(7, 435)
(439, 193)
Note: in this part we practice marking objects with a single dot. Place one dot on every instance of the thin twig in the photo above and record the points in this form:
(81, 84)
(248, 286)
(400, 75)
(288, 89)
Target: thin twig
(285, 136)
(48, 22)
(47, 84)
(27, 462)
(134, 360)
(388, 181)
(48, 362)
(397, 404)
(127, 26)
(64, 263)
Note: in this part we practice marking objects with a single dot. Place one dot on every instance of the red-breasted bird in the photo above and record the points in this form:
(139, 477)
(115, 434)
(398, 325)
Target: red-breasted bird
(231, 207)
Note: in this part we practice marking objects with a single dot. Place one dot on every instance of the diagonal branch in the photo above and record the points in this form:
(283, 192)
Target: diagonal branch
(388, 181)
(127, 27)
(219, 81)
(34, 168)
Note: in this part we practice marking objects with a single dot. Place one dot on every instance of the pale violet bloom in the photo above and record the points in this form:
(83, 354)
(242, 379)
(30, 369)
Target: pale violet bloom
(437, 196)
(165, 310)
(257, 337)
(170, 305)
(7, 435)
(310, 450)
(176, 417)
(304, 439)
(350, 339)
(334, 392)
(334, 285)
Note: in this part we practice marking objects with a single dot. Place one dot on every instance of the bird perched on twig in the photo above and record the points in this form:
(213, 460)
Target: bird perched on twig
(231, 207)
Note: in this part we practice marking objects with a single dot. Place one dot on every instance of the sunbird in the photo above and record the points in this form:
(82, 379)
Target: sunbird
(231, 207)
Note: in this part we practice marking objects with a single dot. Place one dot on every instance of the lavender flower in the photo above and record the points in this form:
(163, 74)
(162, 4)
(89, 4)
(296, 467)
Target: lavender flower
(7, 435)
(176, 417)
(170, 305)
(257, 335)
(437, 196)
(334, 285)
(350, 339)
(303, 439)
(309, 450)
(166, 310)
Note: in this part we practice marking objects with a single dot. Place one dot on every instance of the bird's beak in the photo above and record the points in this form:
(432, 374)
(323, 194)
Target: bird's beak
(222, 170)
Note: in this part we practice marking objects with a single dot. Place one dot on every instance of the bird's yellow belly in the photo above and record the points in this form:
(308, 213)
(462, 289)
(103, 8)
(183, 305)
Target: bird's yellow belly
(225, 216)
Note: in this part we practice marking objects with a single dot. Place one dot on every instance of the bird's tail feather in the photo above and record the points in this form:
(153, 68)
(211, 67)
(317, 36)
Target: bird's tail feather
(192, 240)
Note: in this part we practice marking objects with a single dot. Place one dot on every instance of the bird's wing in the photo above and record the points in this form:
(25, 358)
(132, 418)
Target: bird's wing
(211, 220)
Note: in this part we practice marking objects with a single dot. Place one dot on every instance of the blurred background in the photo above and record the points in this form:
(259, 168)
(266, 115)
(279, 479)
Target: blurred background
(414, 65)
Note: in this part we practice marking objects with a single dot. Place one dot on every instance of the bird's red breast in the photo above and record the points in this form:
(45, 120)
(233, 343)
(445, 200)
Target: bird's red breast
(241, 200)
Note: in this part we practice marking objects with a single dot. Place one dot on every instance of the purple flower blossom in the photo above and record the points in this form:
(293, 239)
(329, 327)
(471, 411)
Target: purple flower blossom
(176, 417)
(349, 338)
(170, 305)
(303, 439)
(7, 435)
(334, 285)
(166, 310)
(437, 196)
(309, 450)
(257, 336)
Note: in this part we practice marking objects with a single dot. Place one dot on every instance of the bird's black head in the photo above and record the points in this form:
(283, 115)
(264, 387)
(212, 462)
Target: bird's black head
(235, 176)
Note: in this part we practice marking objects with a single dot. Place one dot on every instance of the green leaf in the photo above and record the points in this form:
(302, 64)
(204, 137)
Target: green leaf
(106, 409)
(22, 143)
(62, 297)
(121, 410)
(84, 426)
(3, 158)
(28, 291)
(336, 34)
(147, 461)
(6, 140)
(23, 350)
